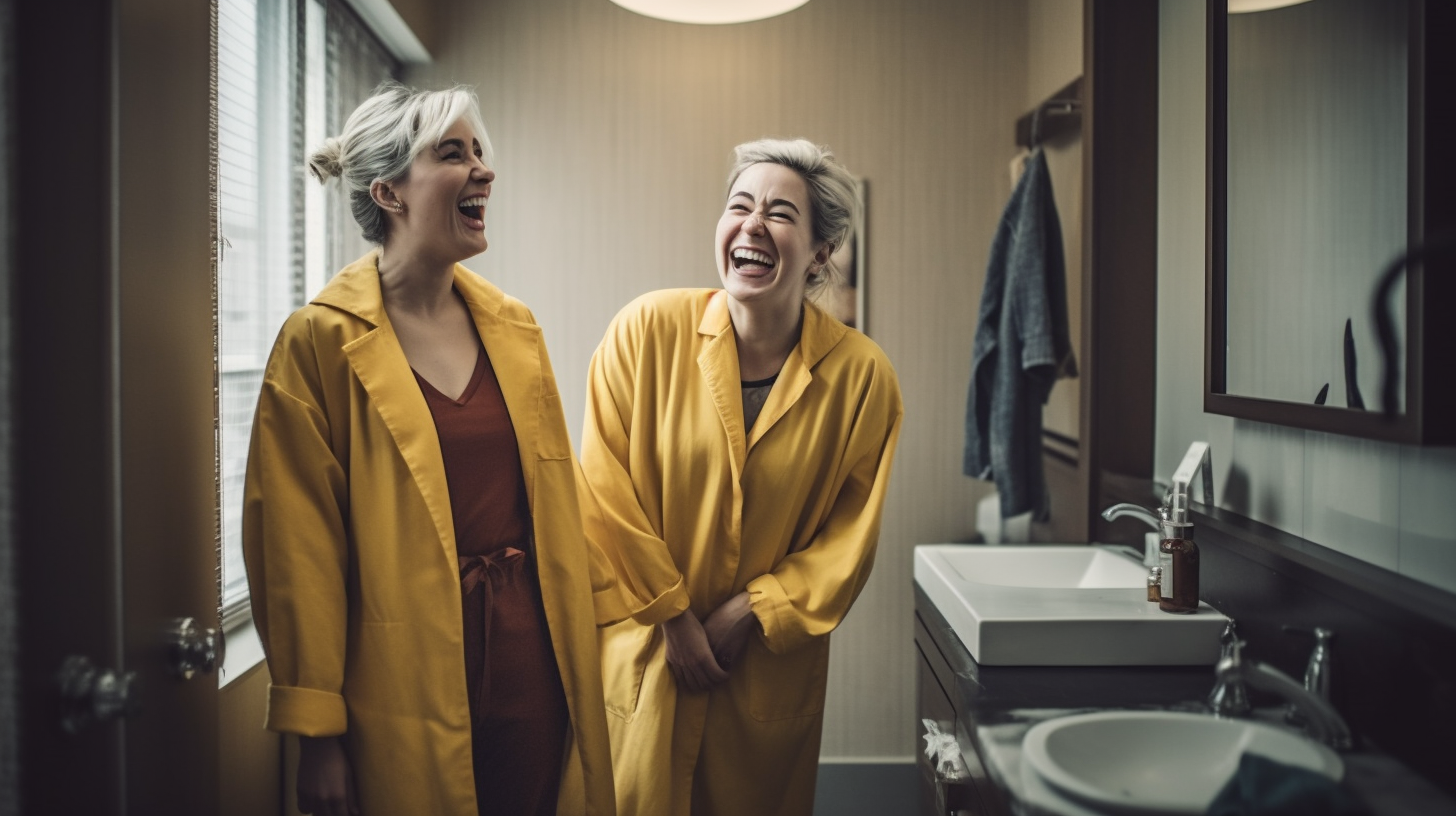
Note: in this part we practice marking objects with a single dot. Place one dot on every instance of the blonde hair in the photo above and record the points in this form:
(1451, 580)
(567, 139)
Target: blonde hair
(832, 199)
(382, 138)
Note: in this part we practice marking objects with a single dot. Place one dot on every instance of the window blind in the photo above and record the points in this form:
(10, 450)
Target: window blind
(288, 74)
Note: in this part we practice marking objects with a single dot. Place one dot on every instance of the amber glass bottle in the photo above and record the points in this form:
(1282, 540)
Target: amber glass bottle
(1179, 558)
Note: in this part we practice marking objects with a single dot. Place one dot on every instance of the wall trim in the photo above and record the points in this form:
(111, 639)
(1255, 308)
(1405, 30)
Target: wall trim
(401, 41)
(855, 786)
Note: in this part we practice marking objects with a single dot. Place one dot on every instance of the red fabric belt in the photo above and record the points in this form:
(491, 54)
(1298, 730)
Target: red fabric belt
(485, 573)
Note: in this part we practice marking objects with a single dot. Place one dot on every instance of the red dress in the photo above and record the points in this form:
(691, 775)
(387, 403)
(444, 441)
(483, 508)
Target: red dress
(518, 708)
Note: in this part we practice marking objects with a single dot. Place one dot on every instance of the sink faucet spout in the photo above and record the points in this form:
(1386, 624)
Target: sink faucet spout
(1117, 511)
(1322, 721)
(1150, 547)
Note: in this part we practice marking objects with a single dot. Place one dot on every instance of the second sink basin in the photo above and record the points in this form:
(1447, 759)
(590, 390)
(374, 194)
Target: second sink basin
(1158, 761)
(1060, 605)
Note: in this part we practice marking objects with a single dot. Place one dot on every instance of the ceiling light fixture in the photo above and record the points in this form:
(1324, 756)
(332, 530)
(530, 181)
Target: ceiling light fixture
(1246, 6)
(710, 12)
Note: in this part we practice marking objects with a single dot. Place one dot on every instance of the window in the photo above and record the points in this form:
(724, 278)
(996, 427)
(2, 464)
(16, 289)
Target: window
(289, 72)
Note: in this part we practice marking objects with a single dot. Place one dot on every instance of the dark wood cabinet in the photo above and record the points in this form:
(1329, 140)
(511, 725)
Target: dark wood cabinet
(938, 796)
(971, 792)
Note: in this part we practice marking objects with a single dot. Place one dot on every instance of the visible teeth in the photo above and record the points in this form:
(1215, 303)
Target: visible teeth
(753, 256)
(473, 207)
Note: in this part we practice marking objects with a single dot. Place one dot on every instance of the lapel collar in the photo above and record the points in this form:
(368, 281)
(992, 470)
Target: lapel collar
(719, 363)
(819, 334)
(356, 290)
(379, 363)
(514, 349)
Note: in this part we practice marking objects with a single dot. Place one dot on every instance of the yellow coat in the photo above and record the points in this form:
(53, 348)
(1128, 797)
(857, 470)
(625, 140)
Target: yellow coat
(700, 511)
(350, 550)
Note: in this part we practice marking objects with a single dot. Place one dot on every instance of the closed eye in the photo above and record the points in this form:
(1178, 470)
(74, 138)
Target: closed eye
(451, 149)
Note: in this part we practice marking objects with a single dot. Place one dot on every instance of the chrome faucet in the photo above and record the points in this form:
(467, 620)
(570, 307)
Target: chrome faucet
(1229, 697)
(1117, 511)
(1317, 671)
(1150, 548)
(1320, 720)
(1197, 464)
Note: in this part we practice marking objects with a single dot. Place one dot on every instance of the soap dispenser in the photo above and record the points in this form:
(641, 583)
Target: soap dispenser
(1178, 555)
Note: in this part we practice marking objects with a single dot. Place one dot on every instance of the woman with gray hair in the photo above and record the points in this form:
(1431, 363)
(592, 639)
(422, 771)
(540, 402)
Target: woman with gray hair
(426, 598)
(739, 440)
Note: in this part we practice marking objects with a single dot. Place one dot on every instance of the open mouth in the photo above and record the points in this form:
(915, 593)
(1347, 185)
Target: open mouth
(473, 208)
(751, 260)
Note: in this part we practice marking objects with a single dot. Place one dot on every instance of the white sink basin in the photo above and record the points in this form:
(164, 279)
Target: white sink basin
(1060, 605)
(1156, 761)
(1047, 567)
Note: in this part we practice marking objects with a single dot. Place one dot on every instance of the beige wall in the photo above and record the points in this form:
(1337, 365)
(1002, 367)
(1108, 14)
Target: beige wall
(252, 778)
(612, 134)
(420, 16)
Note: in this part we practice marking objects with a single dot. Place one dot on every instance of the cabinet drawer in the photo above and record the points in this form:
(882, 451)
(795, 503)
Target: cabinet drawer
(938, 797)
(935, 662)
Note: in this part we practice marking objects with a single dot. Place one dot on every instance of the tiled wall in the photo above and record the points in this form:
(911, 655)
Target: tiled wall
(1390, 505)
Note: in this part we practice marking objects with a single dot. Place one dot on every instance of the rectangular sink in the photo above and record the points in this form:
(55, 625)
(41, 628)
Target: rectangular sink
(1060, 605)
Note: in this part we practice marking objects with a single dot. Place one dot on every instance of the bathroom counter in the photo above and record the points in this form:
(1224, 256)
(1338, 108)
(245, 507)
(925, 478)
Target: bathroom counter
(994, 706)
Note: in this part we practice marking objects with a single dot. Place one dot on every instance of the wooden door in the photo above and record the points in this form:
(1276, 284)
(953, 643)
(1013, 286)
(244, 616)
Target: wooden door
(114, 402)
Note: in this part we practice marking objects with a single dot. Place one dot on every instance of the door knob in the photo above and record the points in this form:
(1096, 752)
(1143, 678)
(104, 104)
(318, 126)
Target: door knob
(194, 648)
(89, 694)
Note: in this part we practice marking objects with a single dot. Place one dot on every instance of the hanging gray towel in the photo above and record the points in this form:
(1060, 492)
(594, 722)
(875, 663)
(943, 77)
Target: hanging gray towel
(1021, 346)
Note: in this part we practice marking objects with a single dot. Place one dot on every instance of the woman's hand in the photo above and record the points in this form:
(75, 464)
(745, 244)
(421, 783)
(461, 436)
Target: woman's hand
(689, 655)
(325, 778)
(728, 629)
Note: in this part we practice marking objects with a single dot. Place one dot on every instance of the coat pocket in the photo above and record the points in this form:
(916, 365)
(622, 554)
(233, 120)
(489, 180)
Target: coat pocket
(785, 686)
(552, 439)
(627, 647)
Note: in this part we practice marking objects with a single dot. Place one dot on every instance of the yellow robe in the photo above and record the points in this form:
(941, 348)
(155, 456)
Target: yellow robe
(350, 550)
(698, 511)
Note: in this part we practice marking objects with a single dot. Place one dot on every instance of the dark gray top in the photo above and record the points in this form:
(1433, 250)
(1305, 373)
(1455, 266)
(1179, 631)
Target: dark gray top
(755, 394)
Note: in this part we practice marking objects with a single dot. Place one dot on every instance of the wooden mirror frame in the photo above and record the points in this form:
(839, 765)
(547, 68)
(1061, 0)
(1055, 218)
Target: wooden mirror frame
(1429, 351)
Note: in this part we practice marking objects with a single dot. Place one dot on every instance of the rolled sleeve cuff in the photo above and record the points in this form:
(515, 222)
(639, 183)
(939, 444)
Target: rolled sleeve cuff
(306, 712)
(666, 606)
(769, 600)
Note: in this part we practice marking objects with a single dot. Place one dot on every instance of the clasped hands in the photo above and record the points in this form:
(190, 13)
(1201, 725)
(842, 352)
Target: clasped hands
(700, 653)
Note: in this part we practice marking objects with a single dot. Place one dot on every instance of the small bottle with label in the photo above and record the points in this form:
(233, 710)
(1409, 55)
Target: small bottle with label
(1151, 541)
(1178, 557)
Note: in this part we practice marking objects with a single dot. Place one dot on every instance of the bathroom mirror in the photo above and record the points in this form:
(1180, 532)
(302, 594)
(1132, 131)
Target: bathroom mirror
(1318, 178)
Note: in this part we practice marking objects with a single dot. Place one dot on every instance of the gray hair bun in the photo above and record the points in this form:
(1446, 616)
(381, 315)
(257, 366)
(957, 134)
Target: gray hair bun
(327, 162)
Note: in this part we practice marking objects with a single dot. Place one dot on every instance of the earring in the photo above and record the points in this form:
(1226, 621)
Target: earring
(399, 207)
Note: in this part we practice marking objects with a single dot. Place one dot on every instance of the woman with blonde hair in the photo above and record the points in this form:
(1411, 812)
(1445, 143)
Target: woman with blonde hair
(426, 598)
(739, 440)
